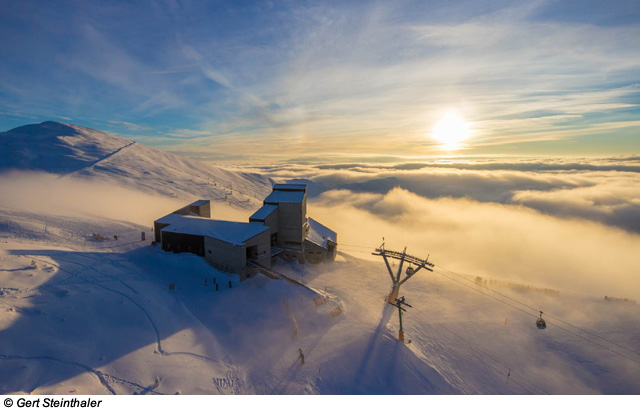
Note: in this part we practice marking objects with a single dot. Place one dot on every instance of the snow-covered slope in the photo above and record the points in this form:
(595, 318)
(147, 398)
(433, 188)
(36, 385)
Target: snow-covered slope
(73, 151)
(98, 317)
(55, 147)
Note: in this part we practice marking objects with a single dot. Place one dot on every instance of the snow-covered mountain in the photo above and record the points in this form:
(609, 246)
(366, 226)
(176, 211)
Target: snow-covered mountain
(73, 151)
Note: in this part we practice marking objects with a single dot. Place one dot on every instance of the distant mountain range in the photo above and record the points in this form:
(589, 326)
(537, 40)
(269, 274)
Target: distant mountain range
(71, 150)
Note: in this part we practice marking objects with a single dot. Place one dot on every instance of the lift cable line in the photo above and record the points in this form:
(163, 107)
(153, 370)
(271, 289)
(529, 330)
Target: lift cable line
(409, 273)
(423, 263)
(347, 249)
(357, 246)
(481, 354)
(538, 310)
(531, 314)
(400, 302)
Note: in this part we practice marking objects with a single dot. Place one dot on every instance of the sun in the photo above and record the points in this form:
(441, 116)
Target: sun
(450, 131)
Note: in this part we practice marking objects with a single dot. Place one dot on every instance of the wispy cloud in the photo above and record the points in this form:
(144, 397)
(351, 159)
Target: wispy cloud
(131, 126)
(17, 114)
(187, 133)
(374, 81)
(374, 77)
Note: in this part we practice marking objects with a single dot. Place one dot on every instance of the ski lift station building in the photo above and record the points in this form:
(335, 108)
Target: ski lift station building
(280, 228)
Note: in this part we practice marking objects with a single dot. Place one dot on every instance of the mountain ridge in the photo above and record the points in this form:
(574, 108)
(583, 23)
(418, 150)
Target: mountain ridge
(72, 150)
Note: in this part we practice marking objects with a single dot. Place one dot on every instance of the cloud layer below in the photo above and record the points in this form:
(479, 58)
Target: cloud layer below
(563, 227)
(48, 194)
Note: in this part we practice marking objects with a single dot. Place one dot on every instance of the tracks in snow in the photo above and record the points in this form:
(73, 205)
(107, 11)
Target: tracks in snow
(74, 277)
(105, 379)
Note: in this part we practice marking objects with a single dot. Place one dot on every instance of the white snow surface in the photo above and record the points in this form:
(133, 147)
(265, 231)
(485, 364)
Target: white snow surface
(320, 234)
(73, 151)
(236, 233)
(262, 213)
(293, 197)
(99, 318)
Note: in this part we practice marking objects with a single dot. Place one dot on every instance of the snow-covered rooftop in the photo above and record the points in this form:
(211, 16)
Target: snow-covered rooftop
(289, 187)
(320, 234)
(199, 202)
(262, 213)
(294, 197)
(171, 218)
(236, 233)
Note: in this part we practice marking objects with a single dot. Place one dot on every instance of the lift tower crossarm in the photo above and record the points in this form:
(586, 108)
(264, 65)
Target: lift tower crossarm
(398, 255)
(402, 257)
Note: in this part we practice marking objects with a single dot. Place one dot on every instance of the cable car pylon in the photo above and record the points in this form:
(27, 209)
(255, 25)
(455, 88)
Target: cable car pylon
(396, 281)
(399, 303)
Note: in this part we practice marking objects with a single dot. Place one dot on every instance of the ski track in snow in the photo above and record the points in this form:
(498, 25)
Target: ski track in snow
(129, 298)
(144, 311)
(76, 277)
(104, 158)
(104, 378)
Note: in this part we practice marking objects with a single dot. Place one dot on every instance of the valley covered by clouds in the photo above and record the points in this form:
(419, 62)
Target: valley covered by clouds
(567, 224)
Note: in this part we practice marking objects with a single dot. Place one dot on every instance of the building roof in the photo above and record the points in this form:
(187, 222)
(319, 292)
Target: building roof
(172, 218)
(290, 187)
(262, 213)
(236, 233)
(320, 234)
(199, 202)
(294, 197)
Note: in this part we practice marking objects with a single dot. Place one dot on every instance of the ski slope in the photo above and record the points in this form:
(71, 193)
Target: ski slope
(99, 318)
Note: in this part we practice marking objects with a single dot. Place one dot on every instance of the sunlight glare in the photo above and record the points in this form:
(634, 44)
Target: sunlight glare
(450, 131)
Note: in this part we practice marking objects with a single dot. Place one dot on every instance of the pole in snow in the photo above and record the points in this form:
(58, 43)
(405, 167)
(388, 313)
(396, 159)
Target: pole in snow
(399, 303)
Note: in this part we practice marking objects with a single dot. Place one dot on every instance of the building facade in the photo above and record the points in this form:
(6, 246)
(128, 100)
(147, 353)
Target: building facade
(279, 228)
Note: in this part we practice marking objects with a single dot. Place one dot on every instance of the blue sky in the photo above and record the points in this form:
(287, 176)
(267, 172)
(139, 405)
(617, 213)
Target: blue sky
(220, 80)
